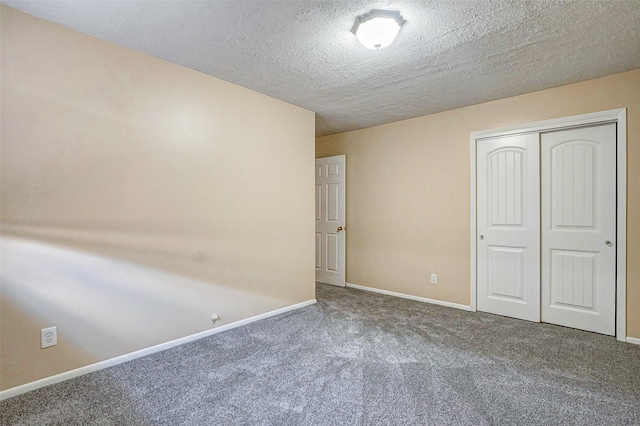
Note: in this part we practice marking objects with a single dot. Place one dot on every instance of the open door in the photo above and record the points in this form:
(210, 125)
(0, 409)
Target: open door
(330, 220)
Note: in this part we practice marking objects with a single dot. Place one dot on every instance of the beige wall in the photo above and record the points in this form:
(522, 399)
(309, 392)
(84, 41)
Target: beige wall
(138, 198)
(408, 188)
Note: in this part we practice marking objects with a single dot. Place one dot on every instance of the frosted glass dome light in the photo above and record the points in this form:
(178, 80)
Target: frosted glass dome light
(378, 28)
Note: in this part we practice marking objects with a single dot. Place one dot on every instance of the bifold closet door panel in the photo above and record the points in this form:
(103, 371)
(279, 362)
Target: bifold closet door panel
(578, 209)
(508, 226)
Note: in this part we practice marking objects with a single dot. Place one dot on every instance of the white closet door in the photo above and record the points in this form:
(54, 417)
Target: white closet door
(579, 228)
(330, 220)
(508, 224)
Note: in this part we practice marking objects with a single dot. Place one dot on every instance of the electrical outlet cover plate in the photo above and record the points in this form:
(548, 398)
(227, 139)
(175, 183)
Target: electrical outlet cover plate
(48, 337)
(434, 278)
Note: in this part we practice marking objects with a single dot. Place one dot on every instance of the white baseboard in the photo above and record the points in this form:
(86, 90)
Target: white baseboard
(411, 297)
(27, 387)
(633, 340)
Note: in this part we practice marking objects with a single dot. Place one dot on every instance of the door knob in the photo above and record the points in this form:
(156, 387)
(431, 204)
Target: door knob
(608, 243)
(481, 237)
(340, 228)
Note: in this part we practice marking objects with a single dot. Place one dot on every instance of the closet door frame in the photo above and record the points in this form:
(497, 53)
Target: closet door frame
(618, 116)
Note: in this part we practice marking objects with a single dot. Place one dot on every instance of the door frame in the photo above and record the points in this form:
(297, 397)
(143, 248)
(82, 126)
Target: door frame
(618, 116)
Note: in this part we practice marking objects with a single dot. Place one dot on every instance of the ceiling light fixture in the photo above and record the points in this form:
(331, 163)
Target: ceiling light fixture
(378, 28)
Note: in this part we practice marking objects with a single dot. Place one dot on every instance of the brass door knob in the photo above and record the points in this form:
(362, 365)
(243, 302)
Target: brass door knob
(340, 228)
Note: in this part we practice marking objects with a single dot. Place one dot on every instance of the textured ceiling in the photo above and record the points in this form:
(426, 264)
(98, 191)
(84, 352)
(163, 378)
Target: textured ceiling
(449, 53)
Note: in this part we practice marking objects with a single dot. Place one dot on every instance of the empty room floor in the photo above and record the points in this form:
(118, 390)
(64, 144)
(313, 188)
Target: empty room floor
(358, 358)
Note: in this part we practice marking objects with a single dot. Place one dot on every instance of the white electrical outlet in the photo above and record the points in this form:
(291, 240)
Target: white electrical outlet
(434, 278)
(48, 337)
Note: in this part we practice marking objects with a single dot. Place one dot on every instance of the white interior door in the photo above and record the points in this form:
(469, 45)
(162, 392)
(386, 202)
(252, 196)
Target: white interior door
(508, 226)
(579, 228)
(330, 220)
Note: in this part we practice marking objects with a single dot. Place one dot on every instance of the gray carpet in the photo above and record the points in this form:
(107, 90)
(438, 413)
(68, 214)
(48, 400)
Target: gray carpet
(359, 358)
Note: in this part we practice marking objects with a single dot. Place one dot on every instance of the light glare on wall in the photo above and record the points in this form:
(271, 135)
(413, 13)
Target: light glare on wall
(378, 28)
